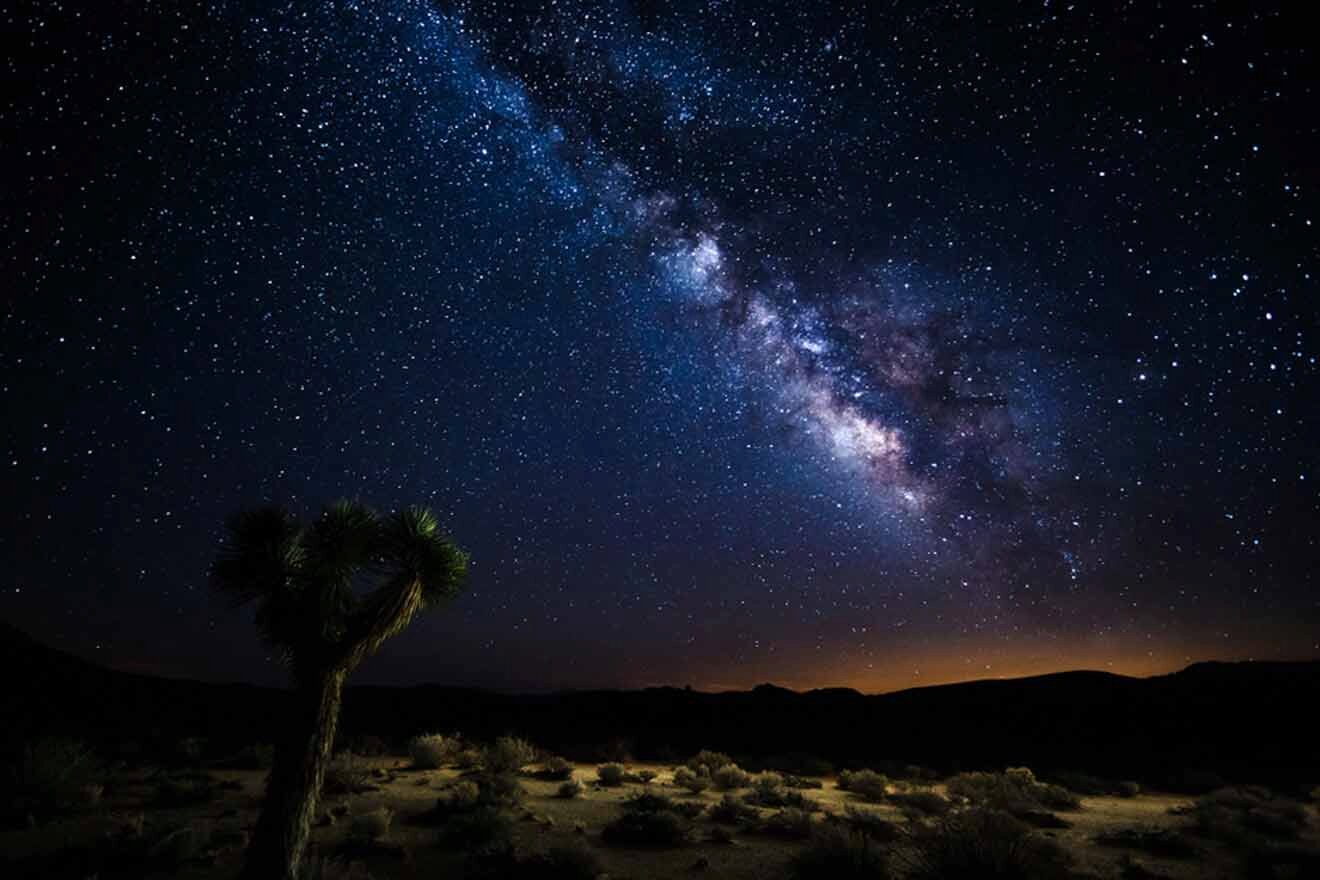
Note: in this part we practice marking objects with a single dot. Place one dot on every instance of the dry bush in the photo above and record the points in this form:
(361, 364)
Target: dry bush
(371, 827)
(431, 751)
(866, 784)
(1164, 843)
(485, 826)
(692, 781)
(791, 781)
(462, 796)
(978, 843)
(706, 762)
(347, 774)
(568, 790)
(659, 829)
(1242, 815)
(730, 777)
(508, 754)
(52, 776)
(839, 854)
(498, 789)
(610, 774)
(572, 862)
(556, 769)
(1016, 790)
(729, 811)
(789, 823)
(919, 804)
(871, 824)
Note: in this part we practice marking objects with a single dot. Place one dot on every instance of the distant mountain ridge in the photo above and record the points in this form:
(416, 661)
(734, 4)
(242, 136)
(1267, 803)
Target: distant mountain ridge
(1248, 720)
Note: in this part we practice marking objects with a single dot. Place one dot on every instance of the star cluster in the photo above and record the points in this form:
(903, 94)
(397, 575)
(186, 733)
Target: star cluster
(737, 342)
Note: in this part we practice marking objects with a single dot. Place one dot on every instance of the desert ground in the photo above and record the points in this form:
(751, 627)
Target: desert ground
(384, 822)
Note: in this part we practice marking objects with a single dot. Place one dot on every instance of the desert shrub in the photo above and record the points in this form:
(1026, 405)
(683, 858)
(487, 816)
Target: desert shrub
(569, 789)
(52, 775)
(371, 827)
(347, 774)
(1016, 790)
(839, 854)
(555, 768)
(575, 862)
(610, 774)
(431, 751)
(462, 796)
(866, 784)
(185, 790)
(767, 793)
(1083, 783)
(689, 809)
(498, 789)
(979, 843)
(770, 785)
(569, 862)
(871, 824)
(789, 823)
(645, 777)
(706, 762)
(1056, 797)
(791, 781)
(659, 829)
(729, 811)
(508, 754)
(485, 826)
(1278, 820)
(646, 802)
(799, 764)
(1162, 843)
(1042, 819)
(468, 758)
(692, 781)
(916, 804)
(1242, 814)
(729, 777)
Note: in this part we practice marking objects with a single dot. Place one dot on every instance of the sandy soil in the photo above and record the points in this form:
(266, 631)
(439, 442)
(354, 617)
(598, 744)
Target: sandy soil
(545, 820)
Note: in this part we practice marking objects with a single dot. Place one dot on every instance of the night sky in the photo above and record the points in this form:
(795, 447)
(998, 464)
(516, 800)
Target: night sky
(873, 345)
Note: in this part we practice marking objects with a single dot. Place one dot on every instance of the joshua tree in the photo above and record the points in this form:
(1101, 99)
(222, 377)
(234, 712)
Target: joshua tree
(302, 580)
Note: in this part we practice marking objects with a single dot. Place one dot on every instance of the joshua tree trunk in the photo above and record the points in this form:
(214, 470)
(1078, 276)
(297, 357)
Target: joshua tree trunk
(295, 780)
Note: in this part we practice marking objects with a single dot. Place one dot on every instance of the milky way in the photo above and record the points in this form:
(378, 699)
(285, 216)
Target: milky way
(736, 342)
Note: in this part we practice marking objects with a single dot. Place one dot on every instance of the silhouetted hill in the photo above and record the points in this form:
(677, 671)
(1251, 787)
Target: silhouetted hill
(1241, 720)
